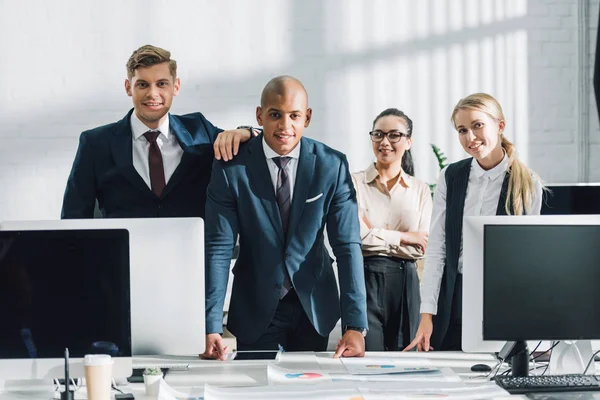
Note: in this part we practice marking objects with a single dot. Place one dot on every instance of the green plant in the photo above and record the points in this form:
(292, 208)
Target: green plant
(439, 155)
(442, 163)
(153, 371)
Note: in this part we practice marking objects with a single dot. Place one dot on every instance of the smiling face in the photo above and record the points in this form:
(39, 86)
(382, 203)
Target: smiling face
(389, 153)
(480, 135)
(283, 115)
(152, 90)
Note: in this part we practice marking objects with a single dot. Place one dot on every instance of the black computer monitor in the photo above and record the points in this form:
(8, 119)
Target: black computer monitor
(62, 289)
(541, 282)
(571, 199)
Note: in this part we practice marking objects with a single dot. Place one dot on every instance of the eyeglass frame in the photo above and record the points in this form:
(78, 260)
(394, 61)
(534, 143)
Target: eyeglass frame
(386, 134)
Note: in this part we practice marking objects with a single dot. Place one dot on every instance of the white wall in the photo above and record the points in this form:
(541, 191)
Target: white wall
(62, 71)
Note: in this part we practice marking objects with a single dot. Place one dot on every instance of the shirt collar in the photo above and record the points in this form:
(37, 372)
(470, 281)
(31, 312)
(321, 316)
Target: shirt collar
(138, 128)
(493, 173)
(371, 173)
(270, 153)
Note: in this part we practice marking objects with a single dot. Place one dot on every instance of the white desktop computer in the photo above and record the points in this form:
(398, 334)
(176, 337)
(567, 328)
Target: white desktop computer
(532, 278)
(63, 289)
(167, 281)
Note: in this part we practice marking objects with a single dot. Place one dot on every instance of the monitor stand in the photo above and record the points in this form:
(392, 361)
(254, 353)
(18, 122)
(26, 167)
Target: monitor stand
(571, 357)
(519, 358)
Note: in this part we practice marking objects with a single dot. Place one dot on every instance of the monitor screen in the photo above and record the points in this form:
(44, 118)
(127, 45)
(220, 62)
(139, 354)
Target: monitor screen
(166, 275)
(64, 289)
(571, 199)
(540, 282)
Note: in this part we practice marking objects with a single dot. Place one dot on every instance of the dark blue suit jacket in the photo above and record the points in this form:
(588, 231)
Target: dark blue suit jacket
(241, 200)
(103, 170)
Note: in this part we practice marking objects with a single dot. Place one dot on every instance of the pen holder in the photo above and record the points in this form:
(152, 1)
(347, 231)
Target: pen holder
(152, 378)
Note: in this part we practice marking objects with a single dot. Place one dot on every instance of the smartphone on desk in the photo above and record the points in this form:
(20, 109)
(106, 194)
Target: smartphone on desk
(254, 355)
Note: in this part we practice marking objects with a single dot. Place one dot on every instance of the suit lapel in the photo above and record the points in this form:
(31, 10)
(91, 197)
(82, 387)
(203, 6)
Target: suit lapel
(261, 180)
(304, 175)
(187, 159)
(122, 152)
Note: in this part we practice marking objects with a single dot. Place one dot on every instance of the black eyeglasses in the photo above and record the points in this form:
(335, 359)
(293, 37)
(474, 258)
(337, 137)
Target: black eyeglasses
(393, 136)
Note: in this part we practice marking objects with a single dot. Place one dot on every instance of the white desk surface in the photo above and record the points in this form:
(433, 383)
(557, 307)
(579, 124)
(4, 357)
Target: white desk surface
(254, 373)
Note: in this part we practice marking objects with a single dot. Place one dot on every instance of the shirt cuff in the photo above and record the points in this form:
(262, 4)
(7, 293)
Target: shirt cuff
(429, 308)
(392, 239)
(214, 327)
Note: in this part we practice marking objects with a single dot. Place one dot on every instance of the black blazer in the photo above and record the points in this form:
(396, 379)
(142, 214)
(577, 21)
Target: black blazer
(103, 170)
(457, 181)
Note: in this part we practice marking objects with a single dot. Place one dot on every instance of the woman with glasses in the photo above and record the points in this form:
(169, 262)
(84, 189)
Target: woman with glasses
(493, 181)
(394, 213)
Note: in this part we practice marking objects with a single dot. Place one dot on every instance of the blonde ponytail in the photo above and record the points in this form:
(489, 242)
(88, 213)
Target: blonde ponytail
(521, 187)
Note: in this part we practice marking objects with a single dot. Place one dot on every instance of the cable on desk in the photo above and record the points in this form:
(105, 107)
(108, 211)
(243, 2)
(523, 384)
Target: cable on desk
(113, 385)
(536, 347)
(590, 362)
(550, 349)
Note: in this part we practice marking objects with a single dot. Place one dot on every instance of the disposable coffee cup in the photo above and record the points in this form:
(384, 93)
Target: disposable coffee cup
(98, 376)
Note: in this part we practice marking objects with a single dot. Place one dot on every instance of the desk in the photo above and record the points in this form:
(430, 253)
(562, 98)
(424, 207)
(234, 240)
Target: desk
(254, 373)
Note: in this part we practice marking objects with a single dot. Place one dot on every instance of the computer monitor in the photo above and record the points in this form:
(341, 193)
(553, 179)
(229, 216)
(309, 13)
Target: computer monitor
(167, 280)
(63, 289)
(540, 282)
(564, 304)
(473, 272)
(571, 199)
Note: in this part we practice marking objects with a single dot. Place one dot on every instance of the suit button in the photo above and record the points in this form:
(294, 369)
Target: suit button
(160, 207)
(287, 256)
(278, 287)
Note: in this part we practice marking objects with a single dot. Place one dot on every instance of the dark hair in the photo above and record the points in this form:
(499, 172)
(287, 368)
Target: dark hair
(147, 56)
(407, 160)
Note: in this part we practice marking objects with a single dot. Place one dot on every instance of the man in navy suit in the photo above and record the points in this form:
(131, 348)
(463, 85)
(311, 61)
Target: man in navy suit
(150, 163)
(278, 195)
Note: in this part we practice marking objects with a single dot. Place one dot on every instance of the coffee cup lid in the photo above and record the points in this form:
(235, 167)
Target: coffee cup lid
(97, 359)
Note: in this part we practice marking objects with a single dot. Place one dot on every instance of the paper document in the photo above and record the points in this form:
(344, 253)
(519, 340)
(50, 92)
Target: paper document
(166, 392)
(486, 391)
(295, 392)
(279, 375)
(358, 391)
(284, 376)
(384, 366)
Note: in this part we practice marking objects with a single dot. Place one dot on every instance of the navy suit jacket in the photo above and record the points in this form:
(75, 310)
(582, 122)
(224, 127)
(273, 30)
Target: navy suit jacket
(241, 200)
(103, 170)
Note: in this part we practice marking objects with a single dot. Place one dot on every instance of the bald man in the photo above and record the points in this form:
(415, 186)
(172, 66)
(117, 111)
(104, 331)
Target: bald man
(278, 195)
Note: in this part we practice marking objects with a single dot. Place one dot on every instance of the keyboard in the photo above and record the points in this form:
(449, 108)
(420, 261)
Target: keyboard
(549, 383)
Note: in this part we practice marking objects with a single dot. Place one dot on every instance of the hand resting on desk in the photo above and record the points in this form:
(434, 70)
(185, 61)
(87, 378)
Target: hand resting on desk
(214, 348)
(351, 345)
(423, 334)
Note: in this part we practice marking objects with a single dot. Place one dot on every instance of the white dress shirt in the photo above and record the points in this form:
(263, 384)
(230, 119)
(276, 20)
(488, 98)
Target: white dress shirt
(291, 167)
(483, 195)
(406, 207)
(167, 142)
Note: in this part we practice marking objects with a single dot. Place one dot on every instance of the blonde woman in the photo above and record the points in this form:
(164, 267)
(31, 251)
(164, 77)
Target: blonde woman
(394, 213)
(492, 182)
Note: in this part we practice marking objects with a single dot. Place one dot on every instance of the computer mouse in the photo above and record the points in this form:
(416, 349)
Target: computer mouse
(481, 368)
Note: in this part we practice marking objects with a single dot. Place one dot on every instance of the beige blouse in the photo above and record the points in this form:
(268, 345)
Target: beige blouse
(404, 208)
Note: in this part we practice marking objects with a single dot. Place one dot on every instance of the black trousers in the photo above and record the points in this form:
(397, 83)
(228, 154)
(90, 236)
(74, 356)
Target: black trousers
(393, 302)
(453, 339)
(290, 330)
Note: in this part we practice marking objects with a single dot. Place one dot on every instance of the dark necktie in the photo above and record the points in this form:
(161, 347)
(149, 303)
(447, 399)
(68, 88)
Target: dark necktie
(284, 201)
(155, 162)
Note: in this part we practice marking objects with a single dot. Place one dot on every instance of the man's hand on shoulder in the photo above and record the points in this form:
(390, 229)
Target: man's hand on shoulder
(351, 345)
(214, 348)
(228, 142)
